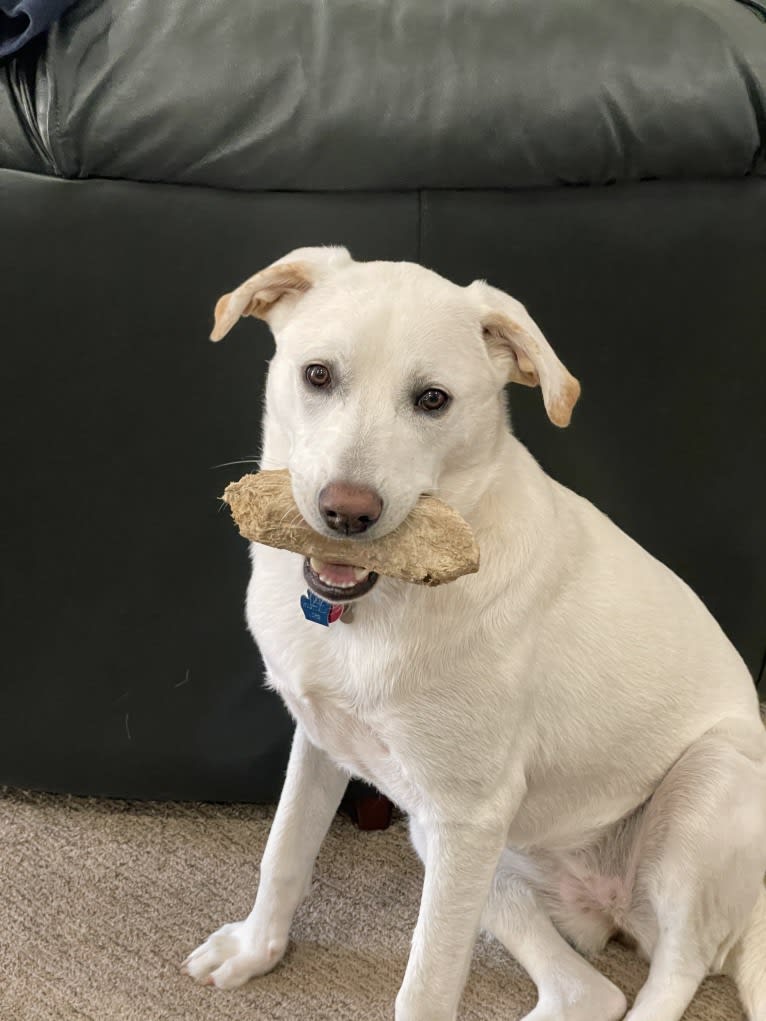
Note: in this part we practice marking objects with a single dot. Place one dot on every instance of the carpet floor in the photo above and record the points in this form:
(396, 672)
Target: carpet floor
(101, 900)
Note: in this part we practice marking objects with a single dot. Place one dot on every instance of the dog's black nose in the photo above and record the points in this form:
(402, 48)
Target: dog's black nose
(349, 509)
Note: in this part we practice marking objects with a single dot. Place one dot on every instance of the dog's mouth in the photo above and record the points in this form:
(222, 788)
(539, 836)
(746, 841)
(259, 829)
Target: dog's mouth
(338, 583)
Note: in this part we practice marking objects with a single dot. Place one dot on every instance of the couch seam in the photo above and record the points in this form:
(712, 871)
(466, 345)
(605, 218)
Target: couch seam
(759, 6)
(419, 249)
(17, 73)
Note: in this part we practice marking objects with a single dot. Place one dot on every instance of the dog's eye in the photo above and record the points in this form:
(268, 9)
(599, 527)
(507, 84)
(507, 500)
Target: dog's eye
(432, 400)
(318, 375)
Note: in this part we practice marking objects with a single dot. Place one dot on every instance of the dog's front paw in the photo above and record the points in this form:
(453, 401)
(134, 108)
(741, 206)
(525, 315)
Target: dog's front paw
(232, 955)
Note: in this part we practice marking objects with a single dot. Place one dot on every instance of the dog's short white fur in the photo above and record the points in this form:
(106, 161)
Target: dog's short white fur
(576, 743)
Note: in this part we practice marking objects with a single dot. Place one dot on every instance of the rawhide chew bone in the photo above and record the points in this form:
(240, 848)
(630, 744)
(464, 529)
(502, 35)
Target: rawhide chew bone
(432, 546)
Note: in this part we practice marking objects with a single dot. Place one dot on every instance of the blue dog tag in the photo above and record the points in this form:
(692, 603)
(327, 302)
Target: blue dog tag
(319, 610)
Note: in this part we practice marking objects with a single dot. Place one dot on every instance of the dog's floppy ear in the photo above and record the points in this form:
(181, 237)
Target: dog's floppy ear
(515, 339)
(290, 276)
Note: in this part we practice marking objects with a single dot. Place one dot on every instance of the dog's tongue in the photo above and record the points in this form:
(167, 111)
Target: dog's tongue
(338, 574)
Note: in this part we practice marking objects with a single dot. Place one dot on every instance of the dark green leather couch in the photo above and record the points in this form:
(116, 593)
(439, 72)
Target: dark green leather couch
(602, 161)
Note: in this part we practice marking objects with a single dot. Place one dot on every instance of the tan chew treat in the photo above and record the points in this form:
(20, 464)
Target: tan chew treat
(432, 546)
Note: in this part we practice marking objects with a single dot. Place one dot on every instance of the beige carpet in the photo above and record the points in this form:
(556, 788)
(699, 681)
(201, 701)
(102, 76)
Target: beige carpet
(100, 901)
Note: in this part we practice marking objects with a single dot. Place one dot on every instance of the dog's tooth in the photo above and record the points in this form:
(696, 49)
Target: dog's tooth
(336, 584)
(320, 566)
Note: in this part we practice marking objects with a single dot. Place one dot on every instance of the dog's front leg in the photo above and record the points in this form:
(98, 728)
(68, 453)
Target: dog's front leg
(313, 788)
(460, 862)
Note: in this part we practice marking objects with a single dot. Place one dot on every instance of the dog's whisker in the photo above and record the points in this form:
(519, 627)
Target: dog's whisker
(292, 518)
(227, 464)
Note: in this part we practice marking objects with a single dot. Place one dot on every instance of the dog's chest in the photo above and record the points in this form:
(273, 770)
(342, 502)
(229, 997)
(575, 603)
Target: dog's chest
(337, 684)
(389, 697)
(353, 738)
(334, 725)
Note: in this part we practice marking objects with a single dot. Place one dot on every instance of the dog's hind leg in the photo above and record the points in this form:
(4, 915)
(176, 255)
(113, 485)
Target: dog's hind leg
(569, 989)
(746, 964)
(700, 860)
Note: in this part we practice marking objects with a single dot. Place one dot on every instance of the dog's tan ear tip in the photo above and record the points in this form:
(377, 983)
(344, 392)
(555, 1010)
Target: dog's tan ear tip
(220, 329)
(560, 411)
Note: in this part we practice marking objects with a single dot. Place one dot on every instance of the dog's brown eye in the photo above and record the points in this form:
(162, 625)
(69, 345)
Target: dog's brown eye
(432, 400)
(318, 375)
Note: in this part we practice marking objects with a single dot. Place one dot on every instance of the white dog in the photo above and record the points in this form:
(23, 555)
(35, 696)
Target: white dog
(577, 745)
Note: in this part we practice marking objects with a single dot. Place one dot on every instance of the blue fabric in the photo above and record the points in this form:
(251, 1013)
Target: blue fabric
(22, 20)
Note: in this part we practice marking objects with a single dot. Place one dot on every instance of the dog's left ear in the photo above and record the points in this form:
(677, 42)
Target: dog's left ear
(517, 342)
(288, 277)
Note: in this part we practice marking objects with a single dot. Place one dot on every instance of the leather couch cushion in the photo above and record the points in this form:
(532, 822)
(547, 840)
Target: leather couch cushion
(335, 94)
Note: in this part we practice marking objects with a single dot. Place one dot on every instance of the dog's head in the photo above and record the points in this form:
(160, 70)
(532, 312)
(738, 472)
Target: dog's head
(388, 382)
